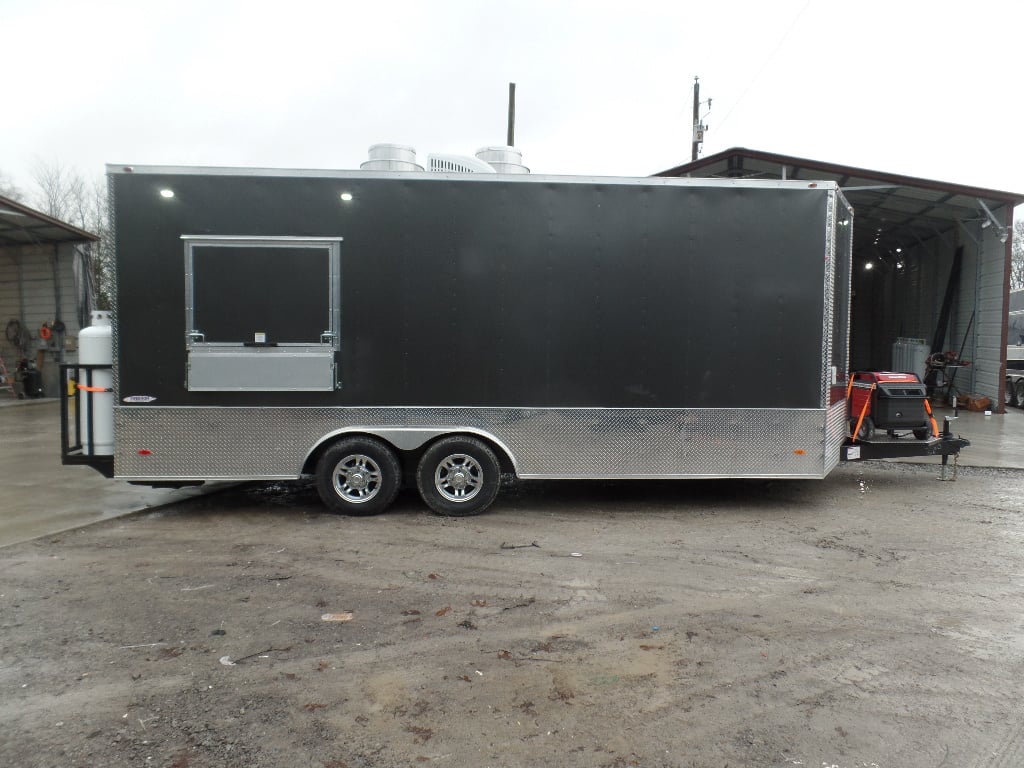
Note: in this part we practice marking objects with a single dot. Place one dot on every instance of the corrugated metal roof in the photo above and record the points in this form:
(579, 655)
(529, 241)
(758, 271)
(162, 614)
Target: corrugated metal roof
(890, 210)
(21, 225)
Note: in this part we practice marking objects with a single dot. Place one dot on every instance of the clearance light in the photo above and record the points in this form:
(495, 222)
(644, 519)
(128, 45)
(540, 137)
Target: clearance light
(168, 193)
(346, 197)
(145, 452)
(869, 265)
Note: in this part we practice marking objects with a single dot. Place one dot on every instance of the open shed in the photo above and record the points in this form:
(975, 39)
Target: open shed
(931, 268)
(44, 281)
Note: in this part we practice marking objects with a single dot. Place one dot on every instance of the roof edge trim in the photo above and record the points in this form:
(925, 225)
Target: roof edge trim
(1011, 198)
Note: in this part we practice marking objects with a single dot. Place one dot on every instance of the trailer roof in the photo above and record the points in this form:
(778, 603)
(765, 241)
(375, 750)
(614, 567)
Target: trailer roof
(891, 210)
(482, 178)
(21, 225)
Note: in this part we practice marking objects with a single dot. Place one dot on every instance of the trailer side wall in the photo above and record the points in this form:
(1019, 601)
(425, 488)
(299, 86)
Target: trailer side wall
(588, 328)
(502, 294)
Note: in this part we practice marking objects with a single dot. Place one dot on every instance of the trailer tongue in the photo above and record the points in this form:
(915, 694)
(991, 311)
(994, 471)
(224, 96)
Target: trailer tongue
(884, 447)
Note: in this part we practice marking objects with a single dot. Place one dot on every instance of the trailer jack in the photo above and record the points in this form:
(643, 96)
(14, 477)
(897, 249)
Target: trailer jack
(946, 435)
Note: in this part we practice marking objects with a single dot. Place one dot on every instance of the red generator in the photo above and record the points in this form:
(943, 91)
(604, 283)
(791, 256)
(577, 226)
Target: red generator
(882, 400)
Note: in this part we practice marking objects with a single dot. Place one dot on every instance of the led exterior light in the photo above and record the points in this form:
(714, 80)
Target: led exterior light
(346, 196)
(167, 193)
(869, 265)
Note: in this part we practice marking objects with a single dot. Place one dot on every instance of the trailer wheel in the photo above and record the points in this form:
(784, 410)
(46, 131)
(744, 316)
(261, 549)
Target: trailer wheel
(358, 476)
(458, 476)
(1015, 393)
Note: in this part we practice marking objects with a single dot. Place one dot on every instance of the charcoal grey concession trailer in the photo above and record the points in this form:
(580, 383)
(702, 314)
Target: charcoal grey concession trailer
(367, 328)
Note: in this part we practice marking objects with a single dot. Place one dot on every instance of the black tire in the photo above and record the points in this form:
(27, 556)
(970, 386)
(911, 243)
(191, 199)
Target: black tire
(458, 476)
(1010, 398)
(358, 476)
(923, 434)
(1018, 390)
(867, 428)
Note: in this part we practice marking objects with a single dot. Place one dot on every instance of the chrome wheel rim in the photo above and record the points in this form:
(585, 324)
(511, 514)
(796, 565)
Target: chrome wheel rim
(357, 478)
(458, 477)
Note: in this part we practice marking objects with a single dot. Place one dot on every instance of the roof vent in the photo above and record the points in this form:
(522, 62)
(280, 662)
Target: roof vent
(457, 164)
(503, 159)
(391, 157)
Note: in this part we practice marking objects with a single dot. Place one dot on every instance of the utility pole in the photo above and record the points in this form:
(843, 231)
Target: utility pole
(696, 117)
(511, 115)
(698, 126)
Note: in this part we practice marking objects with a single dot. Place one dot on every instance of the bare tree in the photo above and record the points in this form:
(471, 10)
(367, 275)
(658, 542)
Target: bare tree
(66, 195)
(62, 193)
(8, 188)
(1017, 265)
(102, 260)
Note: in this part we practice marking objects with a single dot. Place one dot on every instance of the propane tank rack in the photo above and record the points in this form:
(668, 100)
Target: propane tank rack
(78, 440)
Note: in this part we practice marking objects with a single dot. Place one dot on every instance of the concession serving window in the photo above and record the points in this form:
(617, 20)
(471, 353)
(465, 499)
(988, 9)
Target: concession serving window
(262, 313)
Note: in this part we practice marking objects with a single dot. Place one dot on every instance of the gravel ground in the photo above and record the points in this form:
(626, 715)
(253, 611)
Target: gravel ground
(869, 620)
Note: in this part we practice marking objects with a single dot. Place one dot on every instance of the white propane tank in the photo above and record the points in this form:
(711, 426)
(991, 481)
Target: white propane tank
(96, 347)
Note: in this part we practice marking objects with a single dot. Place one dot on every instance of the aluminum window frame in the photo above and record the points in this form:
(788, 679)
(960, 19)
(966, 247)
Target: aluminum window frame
(251, 366)
(331, 244)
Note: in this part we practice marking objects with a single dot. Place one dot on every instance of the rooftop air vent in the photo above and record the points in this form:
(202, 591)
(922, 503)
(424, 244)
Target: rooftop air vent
(391, 157)
(457, 164)
(503, 159)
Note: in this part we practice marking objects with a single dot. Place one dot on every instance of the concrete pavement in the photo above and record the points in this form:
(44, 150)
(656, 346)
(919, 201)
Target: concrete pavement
(39, 496)
(996, 440)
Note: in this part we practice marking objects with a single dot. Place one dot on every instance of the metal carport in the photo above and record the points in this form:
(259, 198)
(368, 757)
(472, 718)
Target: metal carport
(907, 234)
(44, 278)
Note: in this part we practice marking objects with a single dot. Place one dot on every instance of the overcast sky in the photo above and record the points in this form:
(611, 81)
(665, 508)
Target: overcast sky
(926, 88)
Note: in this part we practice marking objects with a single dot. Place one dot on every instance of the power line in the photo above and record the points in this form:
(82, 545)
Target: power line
(761, 67)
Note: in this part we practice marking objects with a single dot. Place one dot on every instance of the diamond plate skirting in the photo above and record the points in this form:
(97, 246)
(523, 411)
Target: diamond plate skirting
(271, 443)
(835, 434)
